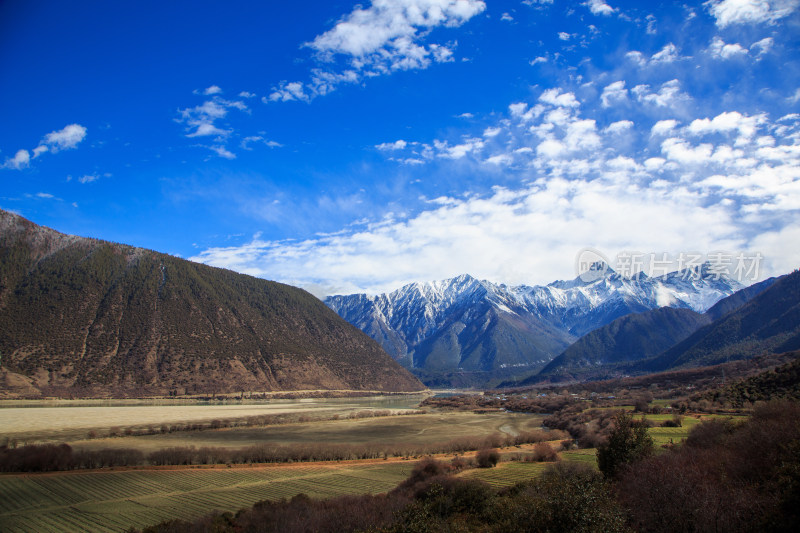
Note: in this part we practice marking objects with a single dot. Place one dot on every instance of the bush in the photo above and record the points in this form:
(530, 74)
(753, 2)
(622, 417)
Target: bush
(487, 458)
(543, 452)
(628, 442)
(567, 497)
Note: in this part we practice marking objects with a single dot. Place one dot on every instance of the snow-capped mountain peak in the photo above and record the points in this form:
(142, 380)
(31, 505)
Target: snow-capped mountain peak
(463, 322)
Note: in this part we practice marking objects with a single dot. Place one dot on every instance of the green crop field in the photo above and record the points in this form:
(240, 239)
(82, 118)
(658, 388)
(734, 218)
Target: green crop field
(506, 474)
(115, 501)
(583, 455)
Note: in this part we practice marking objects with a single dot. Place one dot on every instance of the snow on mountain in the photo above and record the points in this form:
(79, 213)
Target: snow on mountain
(464, 324)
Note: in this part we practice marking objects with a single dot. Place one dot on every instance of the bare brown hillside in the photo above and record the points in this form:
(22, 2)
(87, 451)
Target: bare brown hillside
(92, 318)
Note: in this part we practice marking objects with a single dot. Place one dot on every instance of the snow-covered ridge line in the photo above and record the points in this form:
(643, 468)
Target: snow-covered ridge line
(418, 315)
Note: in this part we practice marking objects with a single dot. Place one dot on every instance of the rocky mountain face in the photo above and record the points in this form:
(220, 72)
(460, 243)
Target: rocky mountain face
(85, 317)
(464, 325)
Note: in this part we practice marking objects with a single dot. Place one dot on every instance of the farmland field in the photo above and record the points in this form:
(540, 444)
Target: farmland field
(115, 501)
(69, 420)
(506, 474)
(395, 430)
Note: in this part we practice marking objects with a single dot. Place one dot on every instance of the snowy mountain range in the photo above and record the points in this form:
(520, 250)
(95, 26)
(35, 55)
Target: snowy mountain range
(463, 325)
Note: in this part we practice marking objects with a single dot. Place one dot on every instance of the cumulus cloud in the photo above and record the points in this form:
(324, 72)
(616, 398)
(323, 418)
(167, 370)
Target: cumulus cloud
(662, 127)
(721, 50)
(67, 138)
(387, 36)
(20, 160)
(668, 95)
(718, 182)
(763, 46)
(668, 54)
(619, 126)
(548, 222)
(614, 93)
(599, 7)
(727, 12)
(557, 98)
(397, 145)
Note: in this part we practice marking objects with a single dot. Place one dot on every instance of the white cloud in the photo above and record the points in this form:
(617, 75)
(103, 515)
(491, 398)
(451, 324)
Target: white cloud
(727, 12)
(537, 60)
(20, 160)
(67, 138)
(247, 141)
(387, 36)
(500, 159)
(288, 91)
(557, 98)
(662, 127)
(202, 121)
(614, 93)
(619, 126)
(246, 94)
(681, 151)
(726, 122)
(720, 50)
(64, 139)
(637, 57)
(668, 54)
(720, 182)
(491, 132)
(763, 46)
(390, 25)
(458, 151)
(599, 7)
(547, 222)
(506, 17)
(399, 144)
(564, 36)
(222, 152)
(88, 178)
(668, 95)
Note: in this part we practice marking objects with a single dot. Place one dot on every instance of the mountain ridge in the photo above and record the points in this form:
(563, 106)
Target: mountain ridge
(521, 327)
(83, 316)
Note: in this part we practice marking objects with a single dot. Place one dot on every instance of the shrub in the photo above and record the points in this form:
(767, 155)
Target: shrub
(628, 442)
(543, 452)
(487, 458)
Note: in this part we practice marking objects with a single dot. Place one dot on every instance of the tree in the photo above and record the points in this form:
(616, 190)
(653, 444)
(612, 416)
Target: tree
(628, 442)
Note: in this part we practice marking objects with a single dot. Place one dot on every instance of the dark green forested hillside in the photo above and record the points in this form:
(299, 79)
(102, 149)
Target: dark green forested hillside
(769, 323)
(92, 317)
(629, 338)
(780, 382)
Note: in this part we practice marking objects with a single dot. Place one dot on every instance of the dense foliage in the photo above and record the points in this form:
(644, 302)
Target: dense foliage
(628, 443)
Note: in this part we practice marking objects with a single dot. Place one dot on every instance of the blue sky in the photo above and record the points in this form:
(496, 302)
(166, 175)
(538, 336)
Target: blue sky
(349, 147)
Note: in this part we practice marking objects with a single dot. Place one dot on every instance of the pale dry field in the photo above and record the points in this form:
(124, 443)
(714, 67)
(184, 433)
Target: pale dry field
(65, 420)
(393, 430)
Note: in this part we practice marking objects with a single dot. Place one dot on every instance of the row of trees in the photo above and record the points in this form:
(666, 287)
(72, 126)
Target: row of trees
(52, 457)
